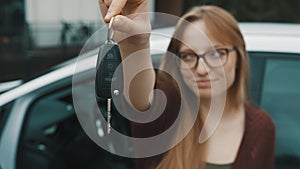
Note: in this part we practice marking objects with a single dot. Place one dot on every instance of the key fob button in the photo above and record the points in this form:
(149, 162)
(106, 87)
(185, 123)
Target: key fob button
(111, 66)
(109, 58)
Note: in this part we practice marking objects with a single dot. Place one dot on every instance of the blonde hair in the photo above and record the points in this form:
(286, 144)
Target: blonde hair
(189, 153)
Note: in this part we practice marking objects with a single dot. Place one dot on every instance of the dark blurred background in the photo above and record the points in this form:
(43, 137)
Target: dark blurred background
(37, 34)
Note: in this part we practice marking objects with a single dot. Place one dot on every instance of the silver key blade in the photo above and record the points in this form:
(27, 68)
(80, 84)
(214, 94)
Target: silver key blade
(108, 115)
(110, 32)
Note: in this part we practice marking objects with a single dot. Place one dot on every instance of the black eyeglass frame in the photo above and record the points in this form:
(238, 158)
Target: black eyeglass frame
(227, 49)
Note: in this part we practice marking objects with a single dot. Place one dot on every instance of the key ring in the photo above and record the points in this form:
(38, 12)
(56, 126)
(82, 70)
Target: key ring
(110, 32)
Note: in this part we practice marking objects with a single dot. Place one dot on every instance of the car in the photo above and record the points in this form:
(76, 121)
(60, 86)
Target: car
(39, 127)
(5, 86)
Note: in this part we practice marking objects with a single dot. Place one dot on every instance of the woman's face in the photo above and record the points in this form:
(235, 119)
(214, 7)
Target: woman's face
(210, 75)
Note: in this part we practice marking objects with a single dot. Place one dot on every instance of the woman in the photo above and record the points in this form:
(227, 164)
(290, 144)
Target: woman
(214, 59)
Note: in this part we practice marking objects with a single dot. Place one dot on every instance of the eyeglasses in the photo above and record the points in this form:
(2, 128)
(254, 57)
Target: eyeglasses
(214, 58)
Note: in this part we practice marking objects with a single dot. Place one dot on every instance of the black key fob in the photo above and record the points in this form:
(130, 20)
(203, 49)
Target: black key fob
(109, 58)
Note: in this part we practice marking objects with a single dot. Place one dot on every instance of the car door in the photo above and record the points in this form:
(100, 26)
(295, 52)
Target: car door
(52, 137)
(275, 85)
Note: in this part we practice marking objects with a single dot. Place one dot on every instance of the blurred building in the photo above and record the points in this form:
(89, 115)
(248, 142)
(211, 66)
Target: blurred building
(37, 34)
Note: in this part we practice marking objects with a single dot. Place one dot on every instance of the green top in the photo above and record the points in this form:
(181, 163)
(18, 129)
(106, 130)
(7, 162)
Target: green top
(218, 166)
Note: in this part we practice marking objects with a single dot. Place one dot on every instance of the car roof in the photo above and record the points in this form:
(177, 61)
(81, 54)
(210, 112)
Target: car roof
(259, 37)
(271, 37)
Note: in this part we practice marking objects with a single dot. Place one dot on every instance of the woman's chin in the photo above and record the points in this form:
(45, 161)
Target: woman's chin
(208, 93)
(204, 93)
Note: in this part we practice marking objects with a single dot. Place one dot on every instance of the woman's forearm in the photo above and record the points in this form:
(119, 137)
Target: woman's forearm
(139, 74)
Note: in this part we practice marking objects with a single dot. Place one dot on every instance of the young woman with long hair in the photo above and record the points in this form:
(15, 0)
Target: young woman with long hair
(211, 57)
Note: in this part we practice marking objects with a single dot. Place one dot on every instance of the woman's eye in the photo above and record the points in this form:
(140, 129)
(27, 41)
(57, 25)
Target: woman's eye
(221, 52)
(187, 56)
(213, 54)
(217, 53)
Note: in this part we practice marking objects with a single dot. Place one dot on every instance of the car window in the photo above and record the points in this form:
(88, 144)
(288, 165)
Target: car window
(257, 65)
(280, 96)
(53, 138)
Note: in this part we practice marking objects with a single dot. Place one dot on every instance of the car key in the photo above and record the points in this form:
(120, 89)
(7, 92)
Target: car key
(108, 115)
(109, 58)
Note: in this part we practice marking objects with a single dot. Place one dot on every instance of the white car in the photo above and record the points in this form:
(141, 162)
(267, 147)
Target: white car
(39, 128)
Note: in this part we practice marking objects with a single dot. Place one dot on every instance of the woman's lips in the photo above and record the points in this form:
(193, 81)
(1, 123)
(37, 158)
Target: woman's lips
(204, 83)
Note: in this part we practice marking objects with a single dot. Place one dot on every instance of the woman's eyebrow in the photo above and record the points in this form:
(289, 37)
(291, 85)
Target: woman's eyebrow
(185, 49)
(216, 46)
(213, 47)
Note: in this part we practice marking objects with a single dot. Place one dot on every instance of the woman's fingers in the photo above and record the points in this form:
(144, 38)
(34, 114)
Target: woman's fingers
(107, 2)
(115, 8)
(127, 25)
(123, 24)
(131, 18)
(103, 7)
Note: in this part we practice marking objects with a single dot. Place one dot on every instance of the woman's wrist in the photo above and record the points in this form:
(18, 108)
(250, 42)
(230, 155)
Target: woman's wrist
(128, 47)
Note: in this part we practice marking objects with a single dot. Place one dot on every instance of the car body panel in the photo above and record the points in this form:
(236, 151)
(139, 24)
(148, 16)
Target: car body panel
(276, 38)
(258, 37)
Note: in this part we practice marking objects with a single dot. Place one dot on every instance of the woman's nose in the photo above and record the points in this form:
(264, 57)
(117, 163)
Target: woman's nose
(202, 68)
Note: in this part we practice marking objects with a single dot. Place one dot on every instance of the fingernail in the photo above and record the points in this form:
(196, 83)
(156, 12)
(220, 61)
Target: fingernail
(107, 16)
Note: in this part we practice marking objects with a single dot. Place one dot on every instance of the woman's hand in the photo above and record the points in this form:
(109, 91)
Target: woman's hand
(132, 32)
(131, 19)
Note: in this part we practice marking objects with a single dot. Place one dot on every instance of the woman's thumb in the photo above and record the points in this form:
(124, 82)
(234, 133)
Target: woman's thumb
(123, 24)
(132, 27)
